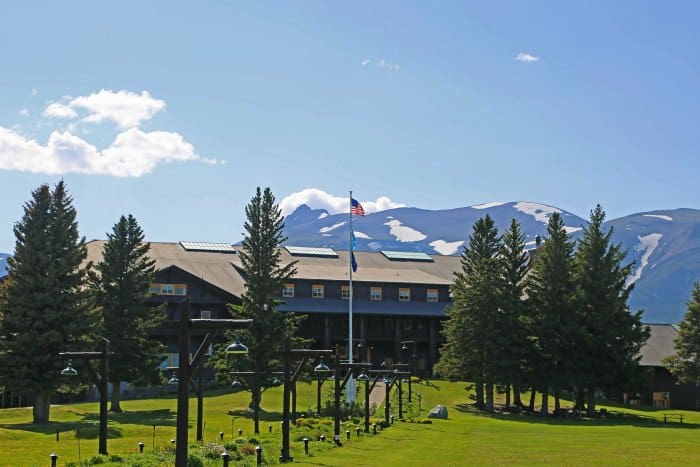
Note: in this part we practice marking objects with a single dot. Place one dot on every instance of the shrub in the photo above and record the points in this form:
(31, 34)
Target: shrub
(424, 421)
(248, 449)
(194, 461)
(94, 460)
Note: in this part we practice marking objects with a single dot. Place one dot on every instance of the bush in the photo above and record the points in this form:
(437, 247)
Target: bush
(424, 421)
(194, 461)
(94, 460)
(248, 449)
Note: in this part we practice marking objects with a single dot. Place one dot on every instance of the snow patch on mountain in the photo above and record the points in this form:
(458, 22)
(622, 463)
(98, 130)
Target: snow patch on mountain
(647, 245)
(540, 212)
(332, 227)
(492, 204)
(659, 216)
(359, 234)
(571, 230)
(403, 233)
(446, 248)
(322, 215)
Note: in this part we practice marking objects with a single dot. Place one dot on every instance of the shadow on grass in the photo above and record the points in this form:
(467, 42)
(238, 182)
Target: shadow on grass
(612, 418)
(264, 415)
(88, 426)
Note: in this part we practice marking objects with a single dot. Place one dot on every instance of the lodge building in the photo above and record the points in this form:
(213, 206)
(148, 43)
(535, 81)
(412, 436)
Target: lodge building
(397, 296)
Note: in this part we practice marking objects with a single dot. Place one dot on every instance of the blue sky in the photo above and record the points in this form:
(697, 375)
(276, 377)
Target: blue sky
(176, 111)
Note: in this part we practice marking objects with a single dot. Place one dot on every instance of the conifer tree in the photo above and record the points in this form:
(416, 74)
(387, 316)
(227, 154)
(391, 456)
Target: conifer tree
(612, 335)
(515, 318)
(265, 278)
(685, 364)
(120, 284)
(45, 307)
(550, 288)
(472, 319)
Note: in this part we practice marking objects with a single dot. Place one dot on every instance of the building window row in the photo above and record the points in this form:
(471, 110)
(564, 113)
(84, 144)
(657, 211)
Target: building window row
(168, 289)
(375, 293)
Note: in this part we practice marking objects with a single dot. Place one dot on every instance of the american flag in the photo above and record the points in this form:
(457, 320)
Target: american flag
(356, 207)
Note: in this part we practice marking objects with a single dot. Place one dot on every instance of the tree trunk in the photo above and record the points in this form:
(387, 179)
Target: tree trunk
(545, 401)
(580, 399)
(557, 403)
(42, 405)
(591, 402)
(489, 397)
(507, 397)
(479, 395)
(516, 396)
(116, 397)
(256, 409)
(531, 406)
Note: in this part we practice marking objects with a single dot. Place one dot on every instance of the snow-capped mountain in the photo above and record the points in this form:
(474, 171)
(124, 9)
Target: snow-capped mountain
(665, 245)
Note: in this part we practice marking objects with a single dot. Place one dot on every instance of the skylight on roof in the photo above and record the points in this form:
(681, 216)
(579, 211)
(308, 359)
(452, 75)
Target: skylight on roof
(310, 251)
(208, 246)
(406, 256)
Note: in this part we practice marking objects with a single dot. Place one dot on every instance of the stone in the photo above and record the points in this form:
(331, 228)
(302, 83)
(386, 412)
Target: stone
(439, 411)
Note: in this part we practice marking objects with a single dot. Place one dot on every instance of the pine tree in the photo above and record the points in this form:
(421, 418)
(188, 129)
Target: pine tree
(612, 336)
(120, 284)
(469, 331)
(265, 278)
(45, 307)
(550, 288)
(685, 364)
(515, 318)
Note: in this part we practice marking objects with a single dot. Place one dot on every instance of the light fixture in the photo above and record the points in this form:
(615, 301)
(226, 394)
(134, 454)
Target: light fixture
(404, 347)
(69, 370)
(236, 385)
(276, 382)
(173, 380)
(237, 348)
(321, 367)
(363, 376)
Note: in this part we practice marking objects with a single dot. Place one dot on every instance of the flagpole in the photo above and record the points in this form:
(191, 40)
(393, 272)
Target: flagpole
(350, 393)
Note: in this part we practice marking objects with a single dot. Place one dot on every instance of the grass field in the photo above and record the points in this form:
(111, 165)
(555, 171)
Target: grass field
(624, 437)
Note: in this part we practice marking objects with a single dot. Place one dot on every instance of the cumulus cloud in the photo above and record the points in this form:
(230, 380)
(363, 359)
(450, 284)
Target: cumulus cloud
(133, 153)
(527, 58)
(319, 199)
(365, 62)
(58, 110)
(125, 108)
(24, 112)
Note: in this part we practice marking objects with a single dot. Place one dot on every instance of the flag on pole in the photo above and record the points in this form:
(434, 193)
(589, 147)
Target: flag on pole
(353, 240)
(353, 262)
(356, 208)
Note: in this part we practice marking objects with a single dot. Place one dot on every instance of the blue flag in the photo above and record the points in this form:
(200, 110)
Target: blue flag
(353, 240)
(353, 262)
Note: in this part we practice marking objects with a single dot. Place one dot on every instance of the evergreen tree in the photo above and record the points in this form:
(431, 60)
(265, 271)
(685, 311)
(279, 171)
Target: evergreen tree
(473, 318)
(45, 306)
(515, 318)
(120, 284)
(685, 364)
(265, 278)
(612, 336)
(550, 288)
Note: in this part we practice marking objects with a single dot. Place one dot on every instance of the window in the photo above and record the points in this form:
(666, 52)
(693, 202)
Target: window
(205, 314)
(345, 292)
(404, 294)
(375, 293)
(317, 291)
(661, 400)
(168, 289)
(407, 324)
(432, 295)
(288, 290)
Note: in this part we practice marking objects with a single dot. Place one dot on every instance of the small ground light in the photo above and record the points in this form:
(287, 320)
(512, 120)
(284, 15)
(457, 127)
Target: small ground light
(258, 451)
(240, 431)
(374, 428)
(226, 457)
(172, 441)
(357, 431)
(347, 433)
(54, 458)
(141, 446)
(269, 428)
(322, 438)
(306, 446)
(221, 435)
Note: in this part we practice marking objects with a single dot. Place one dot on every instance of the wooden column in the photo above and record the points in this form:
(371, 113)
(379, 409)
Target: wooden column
(432, 347)
(397, 340)
(326, 332)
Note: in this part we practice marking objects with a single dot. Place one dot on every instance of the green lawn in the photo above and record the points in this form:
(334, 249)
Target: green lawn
(625, 437)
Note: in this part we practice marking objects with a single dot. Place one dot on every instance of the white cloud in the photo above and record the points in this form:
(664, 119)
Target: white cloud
(58, 110)
(319, 199)
(126, 109)
(132, 154)
(24, 112)
(35, 91)
(527, 58)
(365, 62)
(386, 65)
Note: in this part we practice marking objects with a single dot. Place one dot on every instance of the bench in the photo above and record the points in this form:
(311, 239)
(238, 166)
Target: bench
(670, 417)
